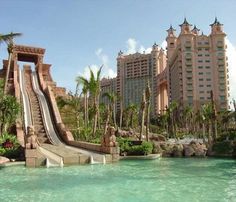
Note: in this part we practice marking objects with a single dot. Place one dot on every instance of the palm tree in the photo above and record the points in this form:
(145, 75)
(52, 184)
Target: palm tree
(142, 110)
(8, 39)
(131, 112)
(171, 111)
(121, 110)
(148, 102)
(85, 90)
(112, 97)
(207, 116)
(225, 119)
(94, 89)
(188, 114)
(107, 119)
(234, 104)
(74, 103)
(214, 117)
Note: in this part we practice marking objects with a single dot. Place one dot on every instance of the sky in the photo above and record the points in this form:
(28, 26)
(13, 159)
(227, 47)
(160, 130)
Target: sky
(81, 33)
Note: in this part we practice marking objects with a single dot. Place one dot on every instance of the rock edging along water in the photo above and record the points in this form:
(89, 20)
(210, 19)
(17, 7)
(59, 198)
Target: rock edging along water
(195, 148)
(177, 149)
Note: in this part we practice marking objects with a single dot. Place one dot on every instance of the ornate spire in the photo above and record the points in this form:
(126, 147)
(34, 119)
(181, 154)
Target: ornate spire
(171, 29)
(185, 23)
(216, 22)
(195, 30)
(155, 45)
(120, 53)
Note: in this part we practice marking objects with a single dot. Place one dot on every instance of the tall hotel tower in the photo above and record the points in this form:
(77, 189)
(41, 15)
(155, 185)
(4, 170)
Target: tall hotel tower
(134, 71)
(197, 65)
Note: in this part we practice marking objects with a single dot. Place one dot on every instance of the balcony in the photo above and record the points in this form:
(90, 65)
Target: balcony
(189, 75)
(221, 62)
(221, 56)
(188, 62)
(188, 56)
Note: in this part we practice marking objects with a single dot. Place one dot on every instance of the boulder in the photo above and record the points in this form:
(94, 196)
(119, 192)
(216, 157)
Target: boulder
(157, 148)
(178, 150)
(167, 149)
(188, 150)
(3, 160)
(155, 137)
(195, 149)
(200, 149)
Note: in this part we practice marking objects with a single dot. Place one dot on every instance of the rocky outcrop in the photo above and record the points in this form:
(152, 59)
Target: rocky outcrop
(178, 150)
(195, 149)
(157, 148)
(188, 150)
(155, 137)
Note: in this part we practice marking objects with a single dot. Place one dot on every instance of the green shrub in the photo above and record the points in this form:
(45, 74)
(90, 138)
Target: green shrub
(96, 141)
(9, 146)
(126, 147)
(147, 147)
(222, 148)
(124, 144)
(227, 135)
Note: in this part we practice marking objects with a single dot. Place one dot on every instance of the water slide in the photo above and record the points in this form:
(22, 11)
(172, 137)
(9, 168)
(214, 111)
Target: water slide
(52, 159)
(26, 103)
(53, 154)
(45, 111)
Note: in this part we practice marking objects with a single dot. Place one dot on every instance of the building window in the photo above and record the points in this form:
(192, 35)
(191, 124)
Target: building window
(208, 85)
(200, 73)
(208, 79)
(208, 67)
(201, 98)
(200, 67)
(201, 85)
(201, 92)
(190, 98)
(207, 61)
(222, 98)
(201, 79)
(200, 61)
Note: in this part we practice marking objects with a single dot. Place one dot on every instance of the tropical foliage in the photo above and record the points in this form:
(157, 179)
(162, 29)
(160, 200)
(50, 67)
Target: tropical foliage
(91, 118)
(9, 110)
(9, 146)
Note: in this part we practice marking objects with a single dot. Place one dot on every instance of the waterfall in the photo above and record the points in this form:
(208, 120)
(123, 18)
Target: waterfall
(51, 163)
(104, 159)
(98, 159)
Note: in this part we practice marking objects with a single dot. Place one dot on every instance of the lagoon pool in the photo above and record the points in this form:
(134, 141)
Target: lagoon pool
(165, 179)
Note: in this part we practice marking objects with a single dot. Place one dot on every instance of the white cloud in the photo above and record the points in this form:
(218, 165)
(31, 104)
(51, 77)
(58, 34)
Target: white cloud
(231, 53)
(131, 46)
(134, 46)
(164, 45)
(106, 70)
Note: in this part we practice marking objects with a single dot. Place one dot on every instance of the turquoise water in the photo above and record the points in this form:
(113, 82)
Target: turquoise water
(166, 179)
